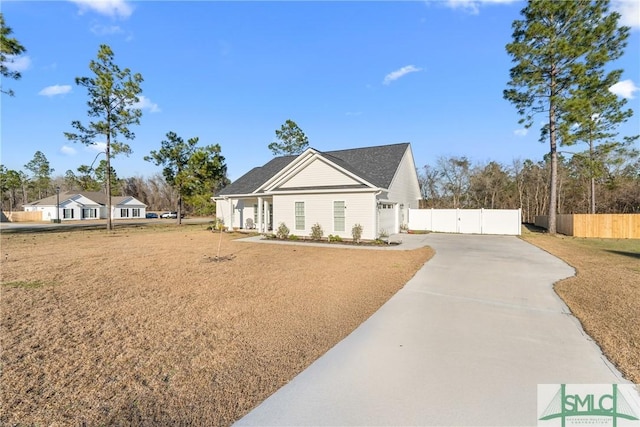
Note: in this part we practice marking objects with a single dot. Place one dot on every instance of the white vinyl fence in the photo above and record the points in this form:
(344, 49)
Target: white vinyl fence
(467, 221)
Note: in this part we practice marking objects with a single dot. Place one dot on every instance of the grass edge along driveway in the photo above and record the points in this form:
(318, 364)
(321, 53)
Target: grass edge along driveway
(604, 294)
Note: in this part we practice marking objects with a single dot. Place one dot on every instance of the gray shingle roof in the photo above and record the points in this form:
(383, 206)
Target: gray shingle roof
(377, 165)
(252, 180)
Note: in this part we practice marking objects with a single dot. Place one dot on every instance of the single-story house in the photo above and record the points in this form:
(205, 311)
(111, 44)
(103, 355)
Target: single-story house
(371, 186)
(86, 205)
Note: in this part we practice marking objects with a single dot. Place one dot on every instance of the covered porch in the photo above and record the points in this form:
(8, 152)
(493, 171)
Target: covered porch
(246, 213)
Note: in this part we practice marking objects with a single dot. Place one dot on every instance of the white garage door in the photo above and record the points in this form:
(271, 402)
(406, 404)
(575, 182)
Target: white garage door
(387, 218)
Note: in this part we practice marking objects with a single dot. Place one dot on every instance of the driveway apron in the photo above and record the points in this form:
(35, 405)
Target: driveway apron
(465, 342)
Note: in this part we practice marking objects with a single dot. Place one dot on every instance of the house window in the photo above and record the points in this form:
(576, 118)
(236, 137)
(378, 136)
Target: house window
(124, 213)
(67, 213)
(338, 215)
(299, 215)
(255, 214)
(135, 212)
(88, 213)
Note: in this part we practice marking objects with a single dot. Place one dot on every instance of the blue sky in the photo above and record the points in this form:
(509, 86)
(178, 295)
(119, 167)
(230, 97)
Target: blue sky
(350, 74)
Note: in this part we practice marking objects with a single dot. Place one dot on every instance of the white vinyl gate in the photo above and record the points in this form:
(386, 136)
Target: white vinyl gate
(467, 221)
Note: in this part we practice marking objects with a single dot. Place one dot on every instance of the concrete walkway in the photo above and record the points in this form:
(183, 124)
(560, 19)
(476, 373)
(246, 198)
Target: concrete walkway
(465, 342)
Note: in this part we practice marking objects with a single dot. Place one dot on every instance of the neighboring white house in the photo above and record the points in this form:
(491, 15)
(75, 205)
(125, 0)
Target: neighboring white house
(86, 205)
(372, 186)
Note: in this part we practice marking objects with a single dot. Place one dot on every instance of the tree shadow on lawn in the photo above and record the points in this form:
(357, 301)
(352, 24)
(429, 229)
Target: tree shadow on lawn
(625, 253)
(532, 228)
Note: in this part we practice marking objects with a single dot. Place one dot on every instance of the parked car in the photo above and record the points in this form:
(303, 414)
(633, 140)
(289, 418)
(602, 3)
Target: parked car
(171, 215)
(151, 215)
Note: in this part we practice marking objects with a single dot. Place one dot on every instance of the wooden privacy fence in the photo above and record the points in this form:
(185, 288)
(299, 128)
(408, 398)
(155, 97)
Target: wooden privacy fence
(608, 226)
(467, 221)
(21, 216)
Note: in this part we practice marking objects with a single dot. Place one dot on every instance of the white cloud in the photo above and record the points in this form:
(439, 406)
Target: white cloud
(106, 30)
(473, 6)
(18, 63)
(98, 147)
(629, 11)
(69, 151)
(145, 103)
(112, 8)
(625, 89)
(395, 75)
(55, 90)
(521, 132)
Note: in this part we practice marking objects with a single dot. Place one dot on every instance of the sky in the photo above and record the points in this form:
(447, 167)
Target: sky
(350, 74)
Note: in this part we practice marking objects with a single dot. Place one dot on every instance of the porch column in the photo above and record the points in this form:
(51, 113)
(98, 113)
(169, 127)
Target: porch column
(230, 224)
(266, 216)
(396, 222)
(260, 213)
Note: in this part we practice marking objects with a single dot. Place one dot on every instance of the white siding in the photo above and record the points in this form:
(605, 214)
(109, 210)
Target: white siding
(73, 211)
(81, 200)
(318, 173)
(319, 209)
(222, 211)
(404, 188)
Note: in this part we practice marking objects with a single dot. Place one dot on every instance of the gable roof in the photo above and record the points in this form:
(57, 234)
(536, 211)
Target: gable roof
(252, 180)
(96, 196)
(377, 165)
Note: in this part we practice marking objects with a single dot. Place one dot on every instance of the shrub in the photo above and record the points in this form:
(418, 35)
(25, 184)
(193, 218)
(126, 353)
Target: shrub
(356, 233)
(316, 232)
(335, 238)
(283, 231)
(293, 237)
(218, 224)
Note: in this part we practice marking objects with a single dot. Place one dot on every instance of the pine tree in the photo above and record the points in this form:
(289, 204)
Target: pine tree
(555, 45)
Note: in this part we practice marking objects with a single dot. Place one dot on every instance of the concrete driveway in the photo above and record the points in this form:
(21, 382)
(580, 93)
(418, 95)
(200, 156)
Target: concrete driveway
(465, 342)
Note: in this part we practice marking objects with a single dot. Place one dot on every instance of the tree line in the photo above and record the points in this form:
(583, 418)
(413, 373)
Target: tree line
(457, 182)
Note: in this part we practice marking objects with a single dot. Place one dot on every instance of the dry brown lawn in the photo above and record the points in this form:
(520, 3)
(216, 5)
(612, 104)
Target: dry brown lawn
(605, 293)
(142, 326)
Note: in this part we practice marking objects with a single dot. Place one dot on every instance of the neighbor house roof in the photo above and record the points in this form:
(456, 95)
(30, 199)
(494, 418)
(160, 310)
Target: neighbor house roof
(96, 196)
(377, 165)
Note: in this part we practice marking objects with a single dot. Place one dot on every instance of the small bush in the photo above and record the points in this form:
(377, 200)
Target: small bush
(283, 231)
(293, 237)
(218, 225)
(356, 233)
(316, 232)
(335, 238)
